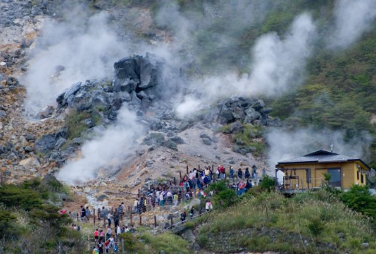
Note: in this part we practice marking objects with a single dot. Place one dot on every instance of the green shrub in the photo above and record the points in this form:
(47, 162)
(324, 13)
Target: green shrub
(7, 221)
(15, 196)
(316, 226)
(131, 243)
(268, 183)
(223, 195)
(360, 199)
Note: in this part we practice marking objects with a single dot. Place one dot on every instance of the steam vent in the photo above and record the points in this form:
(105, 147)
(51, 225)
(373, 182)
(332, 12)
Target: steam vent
(176, 127)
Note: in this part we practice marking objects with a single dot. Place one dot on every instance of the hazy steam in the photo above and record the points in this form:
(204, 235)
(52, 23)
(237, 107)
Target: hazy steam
(278, 66)
(110, 148)
(352, 19)
(67, 52)
(286, 144)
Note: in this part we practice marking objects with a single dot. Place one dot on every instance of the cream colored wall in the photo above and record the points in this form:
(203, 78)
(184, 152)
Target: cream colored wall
(348, 174)
(358, 182)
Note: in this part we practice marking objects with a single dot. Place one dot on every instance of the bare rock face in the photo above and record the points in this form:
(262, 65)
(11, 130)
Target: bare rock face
(29, 162)
(247, 110)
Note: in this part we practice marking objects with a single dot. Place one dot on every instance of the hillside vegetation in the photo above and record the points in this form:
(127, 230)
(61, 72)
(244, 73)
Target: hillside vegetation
(30, 221)
(317, 222)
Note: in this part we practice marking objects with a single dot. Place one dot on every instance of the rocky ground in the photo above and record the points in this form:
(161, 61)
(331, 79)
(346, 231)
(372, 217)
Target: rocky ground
(33, 148)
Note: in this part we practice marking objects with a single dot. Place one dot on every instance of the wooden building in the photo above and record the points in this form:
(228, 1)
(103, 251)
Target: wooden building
(307, 172)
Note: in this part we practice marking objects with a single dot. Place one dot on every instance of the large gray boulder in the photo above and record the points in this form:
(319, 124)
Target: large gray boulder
(45, 143)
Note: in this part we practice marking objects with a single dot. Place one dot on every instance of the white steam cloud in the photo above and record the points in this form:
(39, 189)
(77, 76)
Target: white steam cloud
(67, 52)
(352, 19)
(110, 148)
(278, 67)
(286, 144)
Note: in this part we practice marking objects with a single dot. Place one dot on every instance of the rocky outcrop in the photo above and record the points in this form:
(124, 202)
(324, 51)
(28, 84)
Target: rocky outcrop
(247, 110)
(138, 79)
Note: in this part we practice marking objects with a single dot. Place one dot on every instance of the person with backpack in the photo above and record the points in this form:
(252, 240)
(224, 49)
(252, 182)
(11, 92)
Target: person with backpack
(100, 247)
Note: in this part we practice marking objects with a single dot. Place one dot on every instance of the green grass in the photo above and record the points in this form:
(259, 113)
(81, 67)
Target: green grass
(145, 243)
(319, 217)
(249, 137)
(75, 125)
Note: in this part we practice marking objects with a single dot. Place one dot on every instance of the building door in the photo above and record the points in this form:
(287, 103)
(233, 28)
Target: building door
(335, 180)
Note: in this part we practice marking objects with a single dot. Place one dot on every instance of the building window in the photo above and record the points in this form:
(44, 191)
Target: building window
(357, 175)
(361, 178)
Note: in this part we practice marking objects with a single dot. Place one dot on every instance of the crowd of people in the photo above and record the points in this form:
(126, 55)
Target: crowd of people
(193, 184)
(106, 242)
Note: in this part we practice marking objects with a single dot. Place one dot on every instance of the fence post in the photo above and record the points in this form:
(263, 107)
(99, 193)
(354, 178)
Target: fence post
(187, 169)
(140, 220)
(131, 219)
(155, 221)
(94, 216)
(172, 221)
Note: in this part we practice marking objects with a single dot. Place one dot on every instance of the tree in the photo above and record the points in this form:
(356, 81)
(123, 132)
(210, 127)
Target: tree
(359, 199)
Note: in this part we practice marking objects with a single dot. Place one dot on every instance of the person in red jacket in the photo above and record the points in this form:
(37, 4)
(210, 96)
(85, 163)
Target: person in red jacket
(96, 235)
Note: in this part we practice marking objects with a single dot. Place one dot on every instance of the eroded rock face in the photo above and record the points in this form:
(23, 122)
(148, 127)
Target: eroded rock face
(247, 110)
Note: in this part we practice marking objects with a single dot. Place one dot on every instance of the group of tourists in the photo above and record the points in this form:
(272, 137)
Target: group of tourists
(106, 240)
(193, 184)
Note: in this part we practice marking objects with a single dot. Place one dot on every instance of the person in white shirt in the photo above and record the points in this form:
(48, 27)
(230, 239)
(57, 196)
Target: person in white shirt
(208, 206)
(109, 216)
(161, 199)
